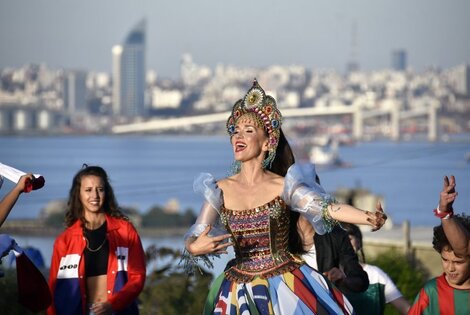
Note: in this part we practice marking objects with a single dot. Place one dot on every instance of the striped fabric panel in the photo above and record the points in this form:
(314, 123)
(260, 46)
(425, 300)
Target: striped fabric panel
(301, 292)
(322, 289)
(444, 296)
(438, 297)
(287, 302)
(462, 302)
(451, 300)
(261, 296)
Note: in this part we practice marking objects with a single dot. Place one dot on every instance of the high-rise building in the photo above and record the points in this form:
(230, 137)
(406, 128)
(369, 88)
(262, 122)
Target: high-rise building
(129, 73)
(399, 60)
(459, 79)
(74, 92)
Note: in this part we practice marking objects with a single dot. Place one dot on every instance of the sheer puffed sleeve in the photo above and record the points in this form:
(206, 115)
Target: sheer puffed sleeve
(305, 196)
(206, 185)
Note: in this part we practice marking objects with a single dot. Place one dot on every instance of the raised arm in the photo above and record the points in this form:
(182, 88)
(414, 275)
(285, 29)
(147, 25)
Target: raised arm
(347, 213)
(303, 195)
(12, 196)
(459, 238)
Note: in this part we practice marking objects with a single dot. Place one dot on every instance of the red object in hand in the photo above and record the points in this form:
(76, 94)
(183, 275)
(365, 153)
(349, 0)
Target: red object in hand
(33, 184)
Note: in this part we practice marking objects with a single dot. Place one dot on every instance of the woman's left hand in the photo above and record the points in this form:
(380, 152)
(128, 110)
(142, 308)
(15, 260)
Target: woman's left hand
(376, 219)
(102, 308)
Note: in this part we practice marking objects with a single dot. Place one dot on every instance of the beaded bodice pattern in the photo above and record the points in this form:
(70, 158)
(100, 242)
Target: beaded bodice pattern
(260, 237)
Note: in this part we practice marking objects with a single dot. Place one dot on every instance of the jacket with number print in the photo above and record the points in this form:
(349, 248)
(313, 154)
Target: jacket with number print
(125, 275)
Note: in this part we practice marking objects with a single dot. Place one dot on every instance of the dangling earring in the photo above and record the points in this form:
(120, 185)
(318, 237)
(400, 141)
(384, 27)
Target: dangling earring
(268, 161)
(235, 168)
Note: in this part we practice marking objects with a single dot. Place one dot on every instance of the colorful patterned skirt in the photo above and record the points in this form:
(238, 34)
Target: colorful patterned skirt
(301, 291)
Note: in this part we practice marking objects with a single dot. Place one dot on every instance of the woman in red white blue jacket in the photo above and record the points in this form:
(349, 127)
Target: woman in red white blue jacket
(98, 263)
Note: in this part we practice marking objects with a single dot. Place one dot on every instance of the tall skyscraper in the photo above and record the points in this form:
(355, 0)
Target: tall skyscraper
(399, 60)
(74, 91)
(129, 73)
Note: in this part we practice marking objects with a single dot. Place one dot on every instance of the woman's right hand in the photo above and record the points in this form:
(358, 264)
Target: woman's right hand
(23, 182)
(448, 194)
(377, 218)
(205, 244)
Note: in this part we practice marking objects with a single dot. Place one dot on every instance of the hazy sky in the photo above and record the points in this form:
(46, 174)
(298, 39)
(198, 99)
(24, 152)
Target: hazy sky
(313, 33)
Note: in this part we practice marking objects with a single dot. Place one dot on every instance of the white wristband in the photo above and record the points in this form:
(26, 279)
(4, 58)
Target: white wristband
(448, 216)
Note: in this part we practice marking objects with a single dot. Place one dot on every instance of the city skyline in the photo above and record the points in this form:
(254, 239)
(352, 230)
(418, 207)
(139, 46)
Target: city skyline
(80, 35)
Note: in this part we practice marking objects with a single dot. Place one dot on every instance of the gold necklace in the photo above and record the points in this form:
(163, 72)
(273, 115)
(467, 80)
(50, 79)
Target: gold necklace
(97, 249)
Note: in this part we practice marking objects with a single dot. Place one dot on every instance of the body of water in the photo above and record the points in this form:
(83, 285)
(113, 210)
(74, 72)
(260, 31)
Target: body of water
(147, 170)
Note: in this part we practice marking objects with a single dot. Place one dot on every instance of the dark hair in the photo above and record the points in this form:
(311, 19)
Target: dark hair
(440, 241)
(75, 207)
(283, 160)
(355, 231)
(284, 156)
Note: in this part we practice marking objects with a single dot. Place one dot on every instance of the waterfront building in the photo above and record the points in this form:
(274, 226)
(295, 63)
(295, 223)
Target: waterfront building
(129, 74)
(75, 92)
(459, 79)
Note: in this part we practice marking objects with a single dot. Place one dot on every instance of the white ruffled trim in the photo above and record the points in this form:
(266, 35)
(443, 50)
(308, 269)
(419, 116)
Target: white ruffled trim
(206, 185)
(305, 196)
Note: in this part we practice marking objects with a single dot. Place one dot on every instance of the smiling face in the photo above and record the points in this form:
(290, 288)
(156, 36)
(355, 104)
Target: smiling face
(249, 141)
(92, 194)
(457, 269)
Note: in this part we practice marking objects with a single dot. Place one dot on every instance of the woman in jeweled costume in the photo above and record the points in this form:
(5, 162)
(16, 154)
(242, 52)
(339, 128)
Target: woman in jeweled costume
(251, 210)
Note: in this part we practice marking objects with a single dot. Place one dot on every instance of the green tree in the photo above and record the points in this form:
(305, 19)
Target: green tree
(157, 217)
(408, 275)
(169, 290)
(55, 220)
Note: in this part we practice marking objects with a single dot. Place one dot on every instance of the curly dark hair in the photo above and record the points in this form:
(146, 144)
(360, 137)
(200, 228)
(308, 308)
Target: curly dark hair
(75, 207)
(439, 239)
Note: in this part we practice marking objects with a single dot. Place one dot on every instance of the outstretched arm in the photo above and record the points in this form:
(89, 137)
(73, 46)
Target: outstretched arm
(347, 213)
(10, 199)
(458, 237)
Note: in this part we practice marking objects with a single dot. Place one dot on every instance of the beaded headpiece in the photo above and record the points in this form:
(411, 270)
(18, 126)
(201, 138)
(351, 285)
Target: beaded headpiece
(265, 110)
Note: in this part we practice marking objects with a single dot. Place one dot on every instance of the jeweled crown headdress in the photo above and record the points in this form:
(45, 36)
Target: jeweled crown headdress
(264, 106)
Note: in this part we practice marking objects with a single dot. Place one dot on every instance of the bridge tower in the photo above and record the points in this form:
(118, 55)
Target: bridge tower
(358, 122)
(432, 121)
(395, 121)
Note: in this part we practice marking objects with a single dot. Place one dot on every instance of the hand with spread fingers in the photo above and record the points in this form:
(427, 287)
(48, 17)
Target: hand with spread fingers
(378, 218)
(457, 235)
(205, 244)
(448, 194)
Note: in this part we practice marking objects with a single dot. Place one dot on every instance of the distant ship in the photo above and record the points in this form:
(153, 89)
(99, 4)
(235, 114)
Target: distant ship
(325, 154)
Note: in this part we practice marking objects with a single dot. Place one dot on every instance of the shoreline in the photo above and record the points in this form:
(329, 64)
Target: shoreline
(35, 229)
(396, 233)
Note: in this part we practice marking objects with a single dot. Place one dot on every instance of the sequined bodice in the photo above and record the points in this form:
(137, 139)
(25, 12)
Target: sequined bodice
(261, 238)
